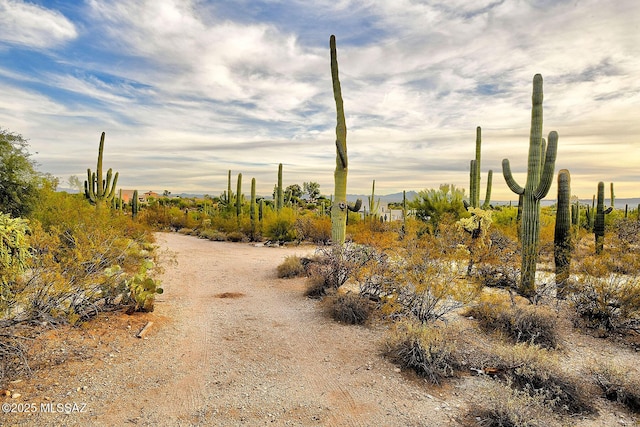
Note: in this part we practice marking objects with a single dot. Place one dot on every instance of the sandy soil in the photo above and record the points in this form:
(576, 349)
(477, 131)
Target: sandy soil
(231, 345)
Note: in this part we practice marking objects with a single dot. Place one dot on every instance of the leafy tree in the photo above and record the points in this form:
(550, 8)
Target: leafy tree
(431, 206)
(294, 191)
(312, 189)
(18, 176)
(75, 183)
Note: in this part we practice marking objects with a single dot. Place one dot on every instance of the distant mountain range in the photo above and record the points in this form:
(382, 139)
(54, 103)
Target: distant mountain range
(397, 198)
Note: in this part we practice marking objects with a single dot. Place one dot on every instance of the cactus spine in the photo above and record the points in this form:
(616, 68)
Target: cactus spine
(474, 174)
(279, 191)
(98, 190)
(598, 225)
(540, 169)
(562, 237)
(339, 208)
(134, 204)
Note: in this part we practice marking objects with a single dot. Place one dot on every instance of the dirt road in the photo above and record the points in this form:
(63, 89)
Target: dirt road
(233, 345)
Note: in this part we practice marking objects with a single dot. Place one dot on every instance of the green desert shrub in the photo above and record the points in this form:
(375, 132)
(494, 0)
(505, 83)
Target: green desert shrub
(427, 350)
(214, 235)
(350, 308)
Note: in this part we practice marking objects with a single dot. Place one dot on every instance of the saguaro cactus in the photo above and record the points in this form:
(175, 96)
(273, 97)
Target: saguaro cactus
(373, 204)
(279, 190)
(540, 169)
(135, 204)
(474, 173)
(98, 190)
(253, 209)
(562, 237)
(339, 209)
(613, 197)
(598, 225)
(239, 197)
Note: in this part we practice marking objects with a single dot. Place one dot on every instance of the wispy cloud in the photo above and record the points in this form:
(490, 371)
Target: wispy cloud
(33, 26)
(187, 89)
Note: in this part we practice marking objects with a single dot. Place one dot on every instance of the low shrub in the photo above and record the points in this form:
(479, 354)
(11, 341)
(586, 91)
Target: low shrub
(236, 236)
(292, 266)
(334, 265)
(536, 371)
(499, 405)
(214, 235)
(607, 303)
(427, 282)
(521, 323)
(350, 308)
(316, 287)
(617, 385)
(314, 229)
(427, 350)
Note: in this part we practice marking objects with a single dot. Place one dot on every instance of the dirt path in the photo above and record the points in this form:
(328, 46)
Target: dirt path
(233, 345)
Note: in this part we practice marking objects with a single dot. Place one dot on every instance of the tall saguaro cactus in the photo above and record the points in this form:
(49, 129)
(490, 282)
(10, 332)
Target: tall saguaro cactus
(98, 190)
(540, 169)
(253, 209)
(474, 172)
(135, 204)
(239, 197)
(279, 190)
(598, 224)
(373, 204)
(339, 210)
(562, 236)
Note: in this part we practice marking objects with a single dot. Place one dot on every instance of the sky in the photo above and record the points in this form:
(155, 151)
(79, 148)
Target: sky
(187, 90)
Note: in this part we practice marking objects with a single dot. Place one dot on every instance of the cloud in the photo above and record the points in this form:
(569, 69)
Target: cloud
(34, 26)
(192, 88)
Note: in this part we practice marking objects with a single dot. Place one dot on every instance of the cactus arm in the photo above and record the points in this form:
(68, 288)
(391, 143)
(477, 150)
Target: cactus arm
(99, 190)
(549, 165)
(356, 206)
(113, 186)
(476, 193)
(472, 182)
(487, 198)
(508, 177)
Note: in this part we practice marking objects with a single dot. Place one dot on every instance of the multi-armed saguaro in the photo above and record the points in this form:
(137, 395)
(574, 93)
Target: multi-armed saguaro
(540, 169)
(98, 190)
(340, 208)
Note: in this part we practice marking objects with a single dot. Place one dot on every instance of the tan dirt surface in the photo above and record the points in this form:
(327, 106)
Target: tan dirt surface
(231, 345)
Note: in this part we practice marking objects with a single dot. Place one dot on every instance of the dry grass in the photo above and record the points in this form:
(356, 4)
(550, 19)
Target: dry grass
(533, 324)
(427, 350)
(292, 266)
(350, 308)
